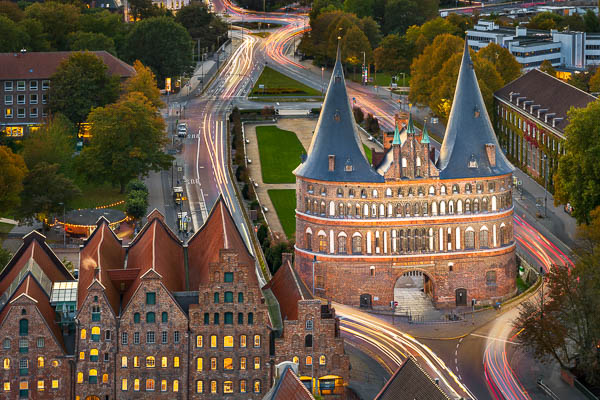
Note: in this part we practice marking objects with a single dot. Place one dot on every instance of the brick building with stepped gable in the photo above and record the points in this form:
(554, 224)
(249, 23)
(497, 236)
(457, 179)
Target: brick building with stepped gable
(360, 229)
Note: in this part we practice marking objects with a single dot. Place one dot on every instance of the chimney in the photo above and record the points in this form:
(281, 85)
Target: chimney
(331, 162)
(285, 257)
(490, 150)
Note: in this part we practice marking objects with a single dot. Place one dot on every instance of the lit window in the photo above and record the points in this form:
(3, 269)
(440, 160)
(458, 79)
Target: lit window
(256, 340)
(8, 113)
(7, 386)
(256, 362)
(136, 362)
(322, 360)
(243, 386)
(176, 362)
(199, 340)
(80, 377)
(256, 386)
(199, 364)
(95, 334)
(228, 387)
(136, 385)
(296, 360)
(40, 362)
(175, 385)
(163, 385)
(94, 355)
(228, 363)
(243, 341)
(308, 360)
(213, 363)
(213, 341)
(242, 362)
(105, 378)
(199, 387)
(149, 384)
(6, 363)
(40, 385)
(150, 362)
(83, 334)
(228, 341)
(54, 383)
(124, 384)
(163, 362)
(124, 362)
(93, 377)
(213, 386)
(82, 355)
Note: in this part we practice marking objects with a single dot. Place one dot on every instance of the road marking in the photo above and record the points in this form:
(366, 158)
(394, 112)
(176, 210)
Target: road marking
(460, 340)
(493, 338)
(455, 352)
(456, 362)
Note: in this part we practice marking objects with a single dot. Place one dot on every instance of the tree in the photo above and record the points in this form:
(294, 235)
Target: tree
(136, 204)
(102, 21)
(37, 39)
(419, 37)
(545, 21)
(548, 68)
(361, 8)
(12, 172)
(91, 41)
(595, 82)
(391, 55)
(80, 83)
(371, 30)
(127, 141)
(400, 14)
(12, 37)
(359, 116)
(591, 21)
(504, 62)
(322, 6)
(144, 82)
(142, 9)
(580, 80)
(5, 257)
(57, 19)
(53, 143)
(273, 254)
(200, 24)
(354, 43)
(43, 189)
(161, 44)
(564, 325)
(577, 180)
(11, 10)
(135, 185)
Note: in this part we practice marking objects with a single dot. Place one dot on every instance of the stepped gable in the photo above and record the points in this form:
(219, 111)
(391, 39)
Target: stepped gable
(410, 382)
(289, 288)
(101, 252)
(156, 247)
(34, 247)
(218, 232)
(336, 135)
(469, 130)
(30, 288)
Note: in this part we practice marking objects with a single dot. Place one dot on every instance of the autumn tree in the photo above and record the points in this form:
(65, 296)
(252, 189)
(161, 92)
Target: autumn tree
(595, 82)
(548, 68)
(12, 172)
(419, 37)
(53, 143)
(391, 54)
(11, 10)
(563, 325)
(127, 141)
(545, 21)
(161, 44)
(577, 180)
(80, 83)
(144, 82)
(504, 62)
(44, 188)
(354, 43)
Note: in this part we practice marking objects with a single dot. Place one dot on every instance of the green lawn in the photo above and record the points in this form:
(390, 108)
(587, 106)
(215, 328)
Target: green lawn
(280, 153)
(369, 153)
(382, 78)
(278, 84)
(97, 195)
(5, 228)
(284, 201)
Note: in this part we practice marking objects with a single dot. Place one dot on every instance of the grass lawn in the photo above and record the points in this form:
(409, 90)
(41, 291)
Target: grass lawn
(277, 84)
(93, 196)
(284, 201)
(382, 78)
(368, 152)
(280, 153)
(5, 228)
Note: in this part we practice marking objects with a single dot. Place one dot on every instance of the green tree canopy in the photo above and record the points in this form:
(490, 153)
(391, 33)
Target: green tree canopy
(548, 68)
(44, 188)
(11, 10)
(57, 19)
(390, 56)
(142, 9)
(371, 30)
(591, 21)
(90, 41)
(545, 21)
(322, 6)
(201, 24)
(422, 36)
(13, 37)
(127, 141)
(577, 180)
(12, 172)
(354, 44)
(53, 143)
(102, 21)
(80, 83)
(504, 62)
(361, 8)
(400, 14)
(37, 39)
(144, 82)
(161, 44)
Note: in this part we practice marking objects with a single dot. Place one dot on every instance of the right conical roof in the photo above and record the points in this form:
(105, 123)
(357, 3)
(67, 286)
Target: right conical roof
(469, 130)
(336, 135)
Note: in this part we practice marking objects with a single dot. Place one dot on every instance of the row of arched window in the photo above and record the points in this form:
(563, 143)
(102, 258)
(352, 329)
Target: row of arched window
(227, 364)
(404, 210)
(417, 240)
(150, 385)
(406, 190)
(228, 387)
(228, 341)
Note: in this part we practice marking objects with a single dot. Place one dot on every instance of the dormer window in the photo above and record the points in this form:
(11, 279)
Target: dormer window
(476, 111)
(472, 162)
(348, 166)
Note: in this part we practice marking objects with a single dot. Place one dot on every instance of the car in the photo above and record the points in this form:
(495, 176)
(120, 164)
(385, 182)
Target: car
(569, 208)
(265, 209)
(182, 129)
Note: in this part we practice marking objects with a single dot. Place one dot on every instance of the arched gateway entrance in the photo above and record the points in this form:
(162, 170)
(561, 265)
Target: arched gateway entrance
(413, 293)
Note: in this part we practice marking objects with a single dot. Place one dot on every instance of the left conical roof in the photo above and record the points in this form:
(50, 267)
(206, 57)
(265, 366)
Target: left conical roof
(469, 130)
(336, 135)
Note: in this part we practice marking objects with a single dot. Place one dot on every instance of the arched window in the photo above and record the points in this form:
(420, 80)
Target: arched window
(93, 376)
(322, 211)
(94, 355)
(388, 192)
(479, 188)
(310, 189)
(23, 327)
(216, 297)
(322, 244)
(483, 237)
(136, 385)
(243, 388)
(6, 363)
(83, 334)
(418, 164)
(250, 318)
(476, 205)
(40, 361)
(228, 363)
(341, 210)
(374, 210)
(407, 210)
(307, 205)
(165, 317)
(308, 341)
(256, 386)
(356, 243)
(150, 362)
(95, 334)
(308, 360)
(341, 244)
(451, 207)
(309, 325)
(308, 241)
(467, 206)
(431, 191)
(409, 246)
(149, 385)
(503, 238)
(400, 193)
(351, 193)
(455, 189)
(295, 359)
(468, 188)
(331, 209)
(442, 207)
(322, 360)
(136, 317)
(401, 241)
(430, 239)
(443, 189)
(340, 192)
(458, 239)
(216, 318)
(357, 210)
(425, 209)
(469, 238)
(381, 211)
(459, 207)
(240, 297)
(363, 194)
(494, 205)
(484, 204)
(433, 208)
(375, 193)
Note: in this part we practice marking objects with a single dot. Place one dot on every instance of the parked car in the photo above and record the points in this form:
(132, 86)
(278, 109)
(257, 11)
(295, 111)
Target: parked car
(182, 129)
(569, 208)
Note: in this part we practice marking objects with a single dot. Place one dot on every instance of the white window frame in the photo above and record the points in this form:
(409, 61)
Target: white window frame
(8, 99)
(33, 85)
(31, 98)
(19, 97)
(21, 86)
(21, 115)
(8, 86)
(33, 112)
(45, 84)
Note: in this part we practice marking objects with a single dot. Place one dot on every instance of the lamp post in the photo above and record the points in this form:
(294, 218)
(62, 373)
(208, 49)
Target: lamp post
(322, 72)
(64, 224)
(545, 185)
(363, 67)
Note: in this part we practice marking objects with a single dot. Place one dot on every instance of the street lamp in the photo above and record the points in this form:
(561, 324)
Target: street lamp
(322, 72)
(363, 66)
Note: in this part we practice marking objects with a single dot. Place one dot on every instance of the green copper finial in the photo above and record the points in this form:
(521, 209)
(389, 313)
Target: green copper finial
(397, 139)
(410, 129)
(425, 138)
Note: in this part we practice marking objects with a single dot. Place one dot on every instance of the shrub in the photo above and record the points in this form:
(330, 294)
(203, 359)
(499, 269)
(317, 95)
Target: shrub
(359, 116)
(136, 185)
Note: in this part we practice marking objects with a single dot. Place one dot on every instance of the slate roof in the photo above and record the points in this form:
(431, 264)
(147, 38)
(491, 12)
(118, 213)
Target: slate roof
(288, 288)
(42, 65)
(103, 252)
(218, 232)
(336, 135)
(468, 131)
(289, 387)
(410, 382)
(547, 92)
